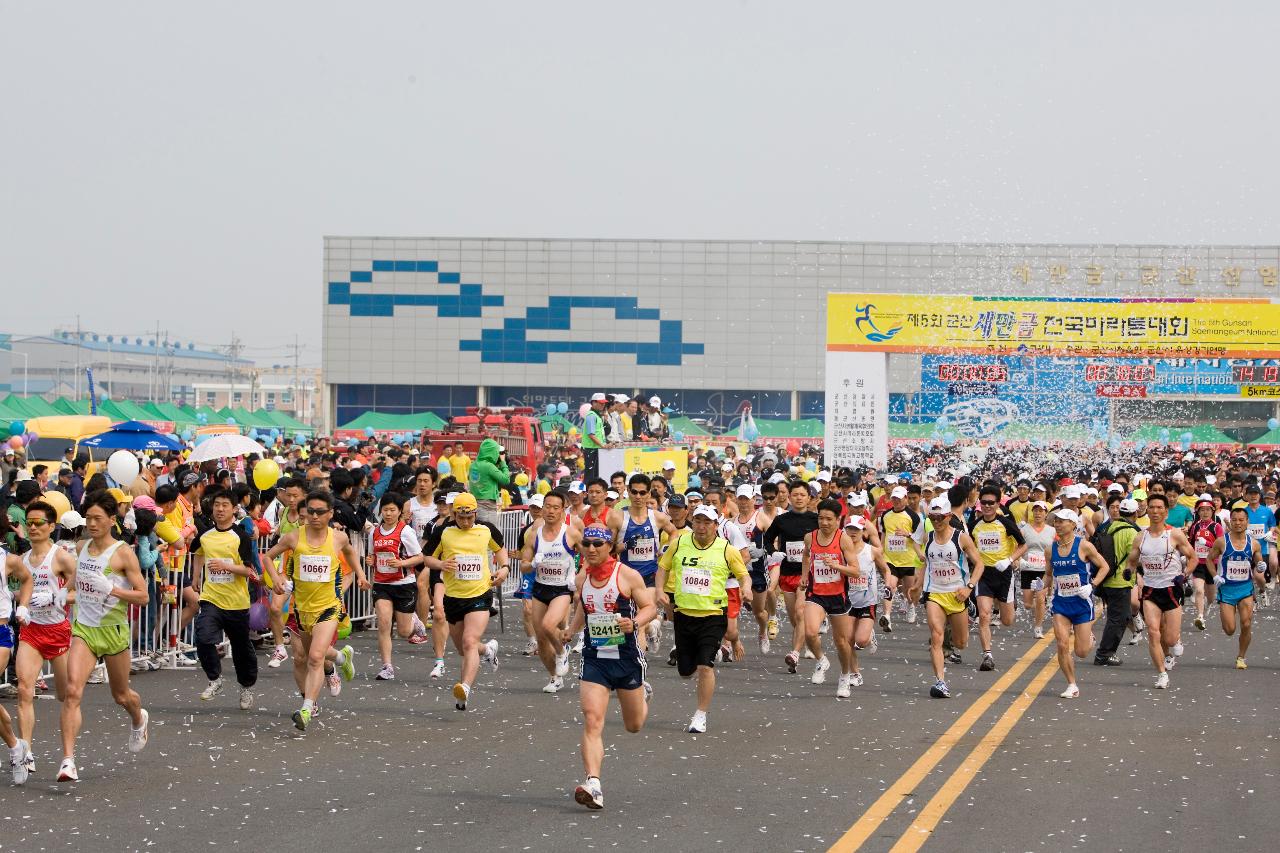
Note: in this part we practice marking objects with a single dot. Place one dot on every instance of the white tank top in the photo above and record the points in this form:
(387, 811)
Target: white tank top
(556, 566)
(95, 609)
(864, 590)
(44, 580)
(944, 566)
(6, 597)
(1160, 562)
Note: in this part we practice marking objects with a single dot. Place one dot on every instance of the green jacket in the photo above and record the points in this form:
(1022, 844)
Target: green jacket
(488, 472)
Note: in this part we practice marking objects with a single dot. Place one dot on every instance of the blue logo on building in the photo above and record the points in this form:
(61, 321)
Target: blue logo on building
(511, 343)
(863, 315)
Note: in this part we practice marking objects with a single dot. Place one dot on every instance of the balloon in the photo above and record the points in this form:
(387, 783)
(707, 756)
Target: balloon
(259, 617)
(573, 431)
(187, 435)
(32, 437)
(810, 465)
(368, 432)
(58, 501)
(231, 421)
(123, 467)
(695, 482)
(275, 433)
(1164, 433)
(1186, 444)
(793, 447)
(543, 487)
(201, 439)
(15, 441)
(202, 418)
(1141, 445)
(17, 428)
(353, 442)
(344, 627)
(444, 468)
(949, 438)
(1186, 437)
(1273, 423)
(677, 436)
(522, 479)
(253, 434)
(941, 421)
(583, 409)
(265, 474)
(299, 438)
(562, 408)
(551, 408)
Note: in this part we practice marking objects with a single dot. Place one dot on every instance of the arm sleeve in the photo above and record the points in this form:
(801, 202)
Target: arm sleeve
(1012, 526)
(496, 534)
(248, 553)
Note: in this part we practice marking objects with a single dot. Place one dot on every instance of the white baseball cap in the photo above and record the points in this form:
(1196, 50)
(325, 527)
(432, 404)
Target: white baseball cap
(668, 465)
(1128, 506)
(578, 487)
(1066, 514)
(745, 491)
(449, 498)
(598, 397)
(858, 499)
(1115, 487)
(942, 486)
(856, 520)
(611, 495)
(939, 506)
(778, 478)
(898, 492)
(823, 477)
(71, 519)
(535, 500)
(1040, 504)
(706, 511)
(655, 401)
(621, 398)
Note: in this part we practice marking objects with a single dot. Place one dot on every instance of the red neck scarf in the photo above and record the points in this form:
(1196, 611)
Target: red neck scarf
(601, 573)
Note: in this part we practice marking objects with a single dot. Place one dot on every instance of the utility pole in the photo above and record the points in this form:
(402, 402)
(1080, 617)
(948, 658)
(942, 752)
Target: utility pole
(233, 366)
(77, 356)
(297, 378)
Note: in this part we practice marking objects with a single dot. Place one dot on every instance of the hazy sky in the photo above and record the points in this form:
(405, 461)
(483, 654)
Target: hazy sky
(180, 162)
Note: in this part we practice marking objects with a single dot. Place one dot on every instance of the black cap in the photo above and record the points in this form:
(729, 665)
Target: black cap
(678, 501)
(190, 479)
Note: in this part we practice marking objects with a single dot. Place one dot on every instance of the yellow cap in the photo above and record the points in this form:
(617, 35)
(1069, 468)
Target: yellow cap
(464, 501)
(120, 496)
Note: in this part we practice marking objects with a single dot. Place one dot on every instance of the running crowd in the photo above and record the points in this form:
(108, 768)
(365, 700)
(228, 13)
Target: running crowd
(958, 536)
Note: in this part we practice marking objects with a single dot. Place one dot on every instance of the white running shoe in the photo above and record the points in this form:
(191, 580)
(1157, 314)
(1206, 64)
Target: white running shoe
(1162, 681)
(1038, 633)
(698, 725)
(437, 671)
(1199, 622)
(826, 626)
(765, 645)
(820, 670)
(138, 736)
(18, 762)
(842, 687)
(589, 794)
(214, 689)
(806, 654)
(1177, 650)
(491, 653)
(531, 647)
(99, 674)
(246, 699)
(278, 657)
(911, 615)
(1138, 624)
(554, 685)
(461, 693)
(67, 771)
(855, 679)
(562, 664)
(577, 646)
(1072, 692)
(387, 673)
(335, 682)
(648, 692)
(1134, 638)
(1169, 662)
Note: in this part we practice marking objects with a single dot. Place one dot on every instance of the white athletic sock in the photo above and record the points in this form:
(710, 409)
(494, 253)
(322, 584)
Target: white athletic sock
(308, 705)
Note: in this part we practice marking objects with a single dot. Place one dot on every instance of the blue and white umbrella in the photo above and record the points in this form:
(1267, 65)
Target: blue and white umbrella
(133, 435)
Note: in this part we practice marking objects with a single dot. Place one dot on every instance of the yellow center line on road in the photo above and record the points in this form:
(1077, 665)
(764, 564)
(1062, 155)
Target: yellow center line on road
(921, 829)
(907, 782)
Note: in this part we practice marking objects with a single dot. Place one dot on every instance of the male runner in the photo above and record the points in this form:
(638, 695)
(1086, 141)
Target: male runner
(731, 649)
(828, 562)
(1001, 544)
(901, 532)
(1163, 554)
(1038, 535)
(636, 531)
(1262, 523)
(752, 522)
(290, 493)
(947, 586)
(13, 568)
(549, 550)
(108, 579)
(786, 536)
(1236, 560)
(616, 604)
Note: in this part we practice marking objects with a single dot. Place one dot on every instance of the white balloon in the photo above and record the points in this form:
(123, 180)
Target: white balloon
(122, 466)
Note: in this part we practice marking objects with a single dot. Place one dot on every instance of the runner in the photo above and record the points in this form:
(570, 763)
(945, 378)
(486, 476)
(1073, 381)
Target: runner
(616, 604)
(108, 579)
(524, 589)
(221, 569)
(394, 553)
(290, 493)
(1162, 553)
(47, 637)
(1001, 545)
(902, 530)
(13, 568)
(752, 522)
(731, 649)
(1114, 540)
(549, 549)
(1262, 523)
(636, 531)
(422, 509)
(826, 565)
(465, 555)
(1202, 533)
(1039, 536)
(1232, 556)
(314, 578)
(785, 538)
(431, 582)
(864, 597)
(1069, 558)
(700, 562)
(947, 586)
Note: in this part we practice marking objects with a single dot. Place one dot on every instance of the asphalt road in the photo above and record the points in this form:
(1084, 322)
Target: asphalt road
(784, 766)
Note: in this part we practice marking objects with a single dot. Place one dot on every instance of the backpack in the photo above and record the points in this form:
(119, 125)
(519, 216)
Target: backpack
(1104, 539)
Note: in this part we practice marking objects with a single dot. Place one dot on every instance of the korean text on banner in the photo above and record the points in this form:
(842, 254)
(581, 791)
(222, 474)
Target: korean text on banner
(857, 413)
(648, 460)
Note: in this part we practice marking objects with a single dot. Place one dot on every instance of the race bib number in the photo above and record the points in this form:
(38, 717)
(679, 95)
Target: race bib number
(1034, 560)
(604, 630)
(1257, 531)
(644, 550)
(1202, 548)
(1237, 570)
(220, 576)
(695, 581)
(795, 551)
(315, 568)
(945, 572)
(989, 541)
(93, 587)
(552, 572)
(1067, 584)
(895, 542)
(823, 572)
(859, 583)
(470, 567)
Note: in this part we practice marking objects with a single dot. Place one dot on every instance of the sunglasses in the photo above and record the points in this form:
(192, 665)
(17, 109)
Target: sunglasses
(318, 510)
(988, 503)
(594, 543)
(639, 492)
(37, 522)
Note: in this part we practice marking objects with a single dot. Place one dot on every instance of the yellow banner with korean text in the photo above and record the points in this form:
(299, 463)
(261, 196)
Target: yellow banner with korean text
(1132, 328)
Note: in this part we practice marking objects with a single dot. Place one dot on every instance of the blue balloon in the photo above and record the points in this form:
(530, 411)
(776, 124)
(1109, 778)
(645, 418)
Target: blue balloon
(949, 438)
(677, 436)
(17, 428)
(202, 418)
(1273, 423)
(551, 408)
(941, 421)
(1186, 444)
(695, 482)
(353, 442)
(444, 468)
(368, 431)
(299, 438)
(562, 408)
(1140, 446)
(201, 439)
(187, 434)
(1186, 437)
(275, 433)
(253, 434)
(811, 465)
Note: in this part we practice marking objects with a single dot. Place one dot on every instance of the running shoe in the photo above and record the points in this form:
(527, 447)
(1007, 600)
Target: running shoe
(67, 771)
(1199, 622)
(773, 627)
(589, 794)
(348, 663)
(988, 663)
(214, 689)
(301, 719)
(1038, 633)
(953, 656)
(648, 692)
(939, 690)
(554, 685)
(765, 645)
(577, 646)
(842, 687)
(278, 657)
(1169, 662)
(825, 627)
(562, 664)
(1134, 638)
(246, 699)
(437, 671)
(820, 670)
(43, 687)
(911, 615)
(531, 647)
(855, 679)
(671, 657)
(726, 652)
(18, 762)
(334, 681)
(418, 639)
(1177, 650)
(491, 654)
(99, 674)
(1162, 681)
(792, 660)
(1109, 660)
(886, 622)
(1072, 692)
(30, 762)
(138, 736)
(1240, 664)
(806, 654)
(698, 725)
(387, 673)
(1138, 624)
(461, 693)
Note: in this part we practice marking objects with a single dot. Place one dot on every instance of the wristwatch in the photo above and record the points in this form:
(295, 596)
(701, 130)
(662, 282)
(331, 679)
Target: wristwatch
(972, 587)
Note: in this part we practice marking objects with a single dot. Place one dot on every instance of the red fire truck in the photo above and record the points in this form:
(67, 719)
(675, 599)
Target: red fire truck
(516, 428)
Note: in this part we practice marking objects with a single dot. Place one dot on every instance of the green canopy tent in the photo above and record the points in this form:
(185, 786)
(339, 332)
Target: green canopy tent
(804, 428)
(685, 426)
(382, 422)
(911, 431)
(1200, 434)
(68, 406)
(29, 407)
